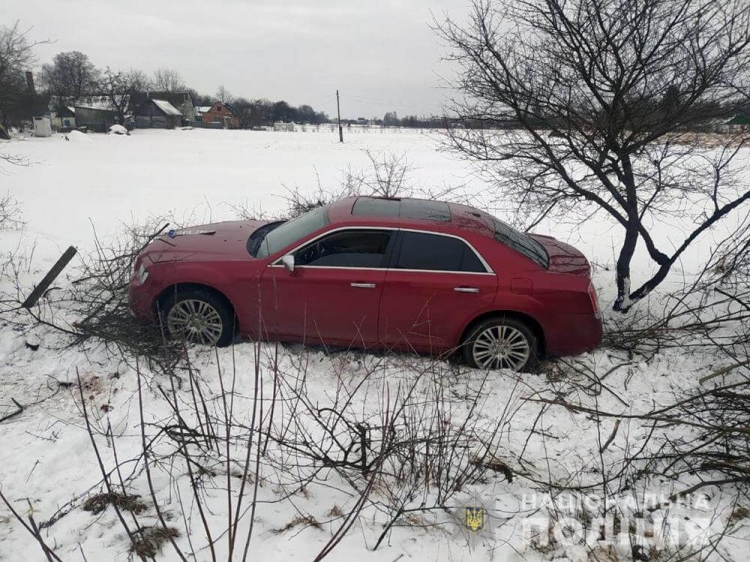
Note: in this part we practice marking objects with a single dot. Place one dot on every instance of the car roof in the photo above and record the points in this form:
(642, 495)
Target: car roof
(409, 211)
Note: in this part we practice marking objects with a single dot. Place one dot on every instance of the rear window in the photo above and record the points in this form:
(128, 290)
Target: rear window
(432, 252)
(521, 243)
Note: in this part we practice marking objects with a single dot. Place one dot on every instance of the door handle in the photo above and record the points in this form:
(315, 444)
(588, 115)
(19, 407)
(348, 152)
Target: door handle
(363, 285)
(466, 289)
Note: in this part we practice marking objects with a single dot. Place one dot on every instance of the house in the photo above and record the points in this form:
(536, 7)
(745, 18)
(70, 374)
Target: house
(63, 118)
(183, 101)
(221, 113)
(157, 109)
(96, 113)
(200, 110)
(157, 114)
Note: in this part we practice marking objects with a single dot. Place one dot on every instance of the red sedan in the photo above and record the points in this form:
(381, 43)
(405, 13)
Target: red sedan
(371, 272)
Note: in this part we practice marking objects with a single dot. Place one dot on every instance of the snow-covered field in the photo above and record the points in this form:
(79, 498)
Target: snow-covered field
(99, 183)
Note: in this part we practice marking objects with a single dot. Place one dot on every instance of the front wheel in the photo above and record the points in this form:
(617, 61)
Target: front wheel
(199, 317)
(501, 343)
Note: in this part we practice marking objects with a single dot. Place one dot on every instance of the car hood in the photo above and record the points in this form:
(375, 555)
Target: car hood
(215, 241)
(563, 258)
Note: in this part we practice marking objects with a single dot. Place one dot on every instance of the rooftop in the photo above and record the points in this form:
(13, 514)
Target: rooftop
(167, 107)
(411, 209)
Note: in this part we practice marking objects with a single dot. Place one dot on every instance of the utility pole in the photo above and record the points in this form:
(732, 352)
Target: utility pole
(338, 108)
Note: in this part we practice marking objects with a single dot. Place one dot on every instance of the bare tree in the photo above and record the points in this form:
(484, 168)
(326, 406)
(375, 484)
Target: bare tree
(260, 113)
(168, 80)
(70, 76)
(113, 85)
(120, 86)
(137, 80)
(595, 99)
(16, 57)
(243, 109)
(223, 95)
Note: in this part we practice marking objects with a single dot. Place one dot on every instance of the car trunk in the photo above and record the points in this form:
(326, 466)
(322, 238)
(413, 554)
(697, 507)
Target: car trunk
(563, 258)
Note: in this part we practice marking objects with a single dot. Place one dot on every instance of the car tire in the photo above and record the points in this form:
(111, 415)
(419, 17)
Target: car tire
(501, 343)
(199, 316)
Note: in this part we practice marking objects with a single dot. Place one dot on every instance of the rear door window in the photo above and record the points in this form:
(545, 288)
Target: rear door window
(433, 252)
(347, 248)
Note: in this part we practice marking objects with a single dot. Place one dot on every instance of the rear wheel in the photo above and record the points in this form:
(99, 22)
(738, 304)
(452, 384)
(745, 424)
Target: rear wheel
(198, 316)
(501, 343)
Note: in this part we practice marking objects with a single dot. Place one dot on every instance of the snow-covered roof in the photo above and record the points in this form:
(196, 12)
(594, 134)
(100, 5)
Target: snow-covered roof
(167, 107)
(102, 103)
(203, 108)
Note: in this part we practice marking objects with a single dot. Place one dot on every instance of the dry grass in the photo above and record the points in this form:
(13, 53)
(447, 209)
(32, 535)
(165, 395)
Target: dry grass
(739, 513)
(710, 140)
(152, 540)
(299, 520)
(98, 503)
(335, 512)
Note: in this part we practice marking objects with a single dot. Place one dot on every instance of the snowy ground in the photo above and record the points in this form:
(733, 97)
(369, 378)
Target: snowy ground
(47, 465)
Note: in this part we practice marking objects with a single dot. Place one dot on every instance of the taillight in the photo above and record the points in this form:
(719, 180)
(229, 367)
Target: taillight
(594, 300)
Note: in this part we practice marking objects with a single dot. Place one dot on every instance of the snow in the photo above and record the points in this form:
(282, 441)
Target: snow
(118, 130)
(102, 103)
(77, 136)
(75, 189)
(167, 107)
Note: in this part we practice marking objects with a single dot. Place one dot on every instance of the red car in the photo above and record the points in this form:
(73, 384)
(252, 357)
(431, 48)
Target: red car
(370, 272)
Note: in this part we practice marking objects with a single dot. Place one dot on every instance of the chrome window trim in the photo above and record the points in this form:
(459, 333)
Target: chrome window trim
(277, 262)
(488, 269)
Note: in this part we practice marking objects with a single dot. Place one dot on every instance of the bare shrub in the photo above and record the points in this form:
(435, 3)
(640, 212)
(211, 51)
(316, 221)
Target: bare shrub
(387, 175)
(99, 295)
(650, 465)
(418, 442)
(10, 213)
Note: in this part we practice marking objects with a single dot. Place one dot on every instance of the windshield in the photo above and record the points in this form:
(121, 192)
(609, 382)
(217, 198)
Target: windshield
(292, 231)
(521, 243)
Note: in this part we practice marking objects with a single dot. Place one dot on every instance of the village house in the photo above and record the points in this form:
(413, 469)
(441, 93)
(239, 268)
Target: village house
(200, 110)
(95, 113)
(157, 114)
(63, 118)
(162, 110)
(221, 113)
(183, 101)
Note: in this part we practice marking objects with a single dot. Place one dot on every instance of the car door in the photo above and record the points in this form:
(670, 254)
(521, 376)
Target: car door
(436, 284)
(333, 294)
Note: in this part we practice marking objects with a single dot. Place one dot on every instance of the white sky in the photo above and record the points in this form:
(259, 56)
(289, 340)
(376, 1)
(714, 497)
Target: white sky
(381, 54)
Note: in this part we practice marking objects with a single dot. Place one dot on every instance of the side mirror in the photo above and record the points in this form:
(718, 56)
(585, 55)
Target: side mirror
(288, 261)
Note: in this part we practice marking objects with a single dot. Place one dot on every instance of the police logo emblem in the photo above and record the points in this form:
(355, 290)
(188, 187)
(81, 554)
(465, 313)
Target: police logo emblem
(474, 518)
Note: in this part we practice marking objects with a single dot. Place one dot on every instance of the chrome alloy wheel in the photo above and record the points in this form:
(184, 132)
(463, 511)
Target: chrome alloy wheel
(501, 347)
(196, 321)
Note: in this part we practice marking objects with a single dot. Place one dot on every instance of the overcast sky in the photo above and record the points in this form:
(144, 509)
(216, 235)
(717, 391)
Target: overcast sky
(381, 54)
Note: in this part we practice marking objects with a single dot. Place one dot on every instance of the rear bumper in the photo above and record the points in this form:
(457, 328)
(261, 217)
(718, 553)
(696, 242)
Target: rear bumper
(578, 333)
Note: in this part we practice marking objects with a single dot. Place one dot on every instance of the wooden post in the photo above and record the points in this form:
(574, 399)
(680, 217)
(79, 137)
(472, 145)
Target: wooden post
(338, 109)
(52, 274)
